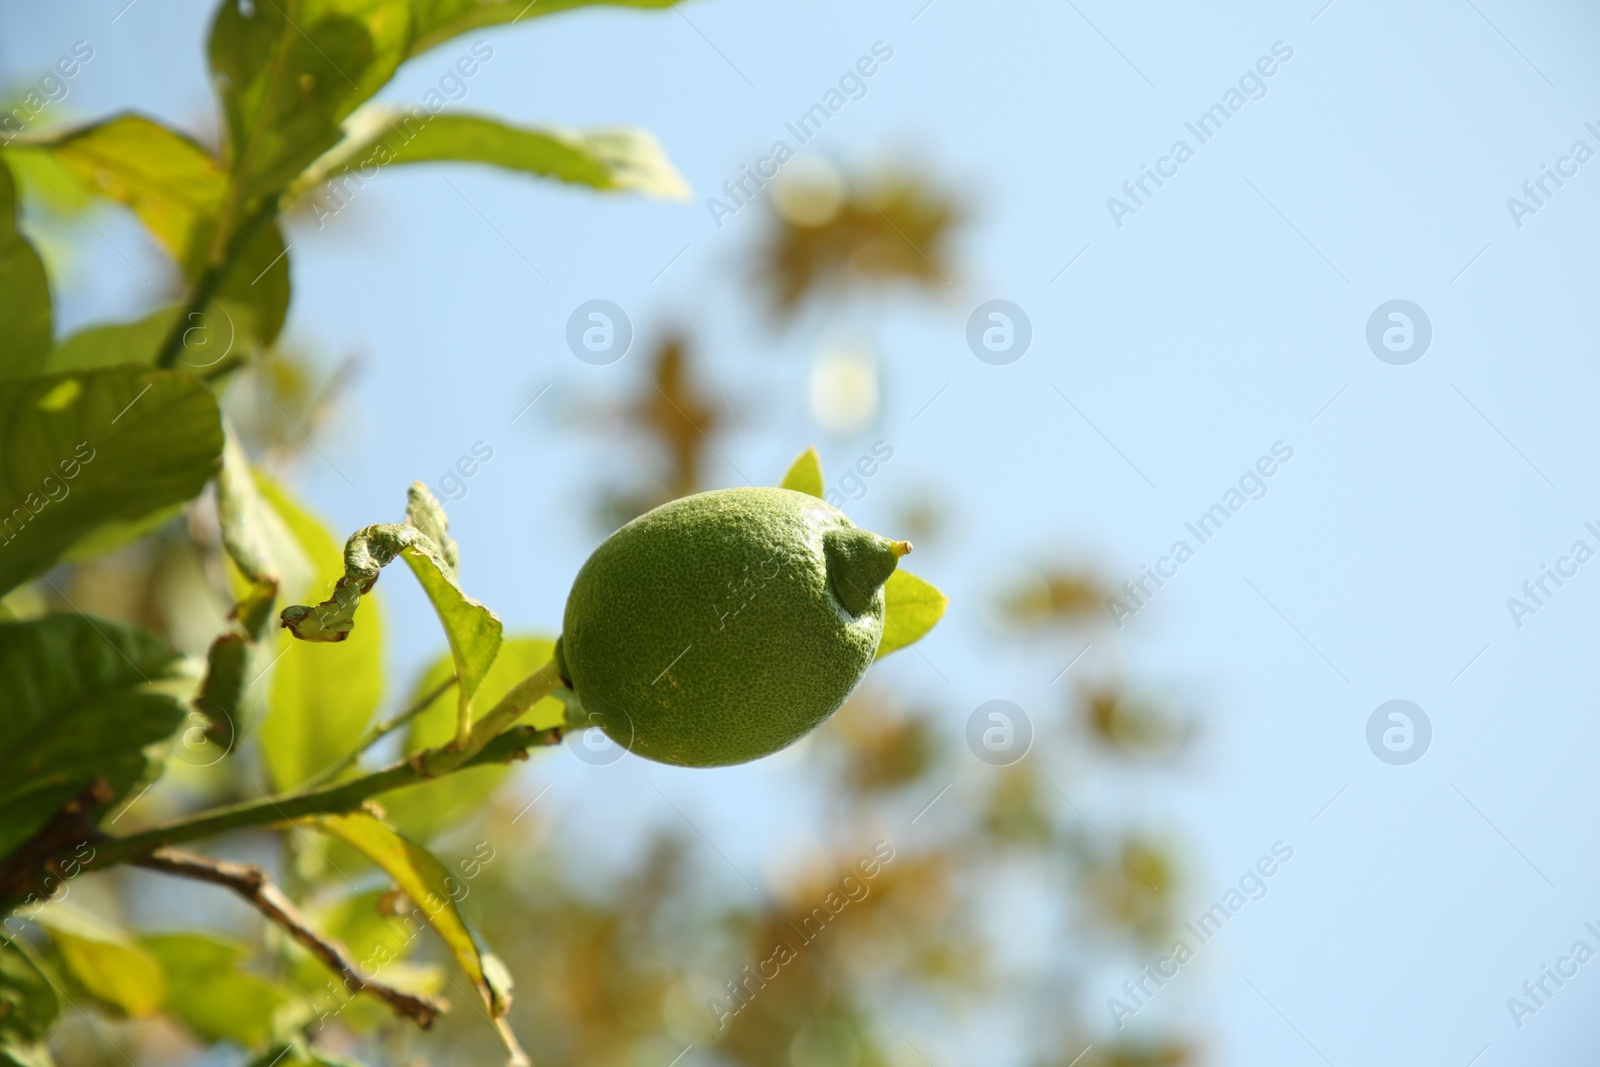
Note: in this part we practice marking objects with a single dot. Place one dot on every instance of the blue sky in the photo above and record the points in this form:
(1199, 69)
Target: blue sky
(1227, 314)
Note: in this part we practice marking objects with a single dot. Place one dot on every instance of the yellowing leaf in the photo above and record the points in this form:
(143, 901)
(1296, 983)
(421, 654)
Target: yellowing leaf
(176, 189)
(170, 182)
(805, 474)
(435, 891)
(912, 607)
(429, 885)
(105, 960)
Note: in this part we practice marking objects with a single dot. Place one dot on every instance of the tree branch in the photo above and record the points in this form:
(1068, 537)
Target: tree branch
(490, 742)
(251, 883)
(327, 800)
(72, 825)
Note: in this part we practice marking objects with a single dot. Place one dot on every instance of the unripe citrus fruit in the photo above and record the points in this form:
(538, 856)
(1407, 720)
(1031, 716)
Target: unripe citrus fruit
(721, 627)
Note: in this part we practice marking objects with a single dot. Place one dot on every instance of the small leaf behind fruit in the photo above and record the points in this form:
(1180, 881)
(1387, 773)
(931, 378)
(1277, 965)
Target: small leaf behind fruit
(911, 608)
(805, 474)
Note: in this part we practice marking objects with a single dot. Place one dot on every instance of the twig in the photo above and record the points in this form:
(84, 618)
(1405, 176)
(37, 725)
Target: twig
(329, 800)
(251, 883)
(383, 729)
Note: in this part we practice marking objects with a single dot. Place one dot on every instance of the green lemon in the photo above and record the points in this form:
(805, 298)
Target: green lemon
(724, 626)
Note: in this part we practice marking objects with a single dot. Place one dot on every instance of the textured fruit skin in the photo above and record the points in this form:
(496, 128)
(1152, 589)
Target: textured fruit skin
(706, 632)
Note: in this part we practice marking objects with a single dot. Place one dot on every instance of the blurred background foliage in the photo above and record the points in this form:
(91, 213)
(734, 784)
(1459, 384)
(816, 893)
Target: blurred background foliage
(622, 966)
(619, 970)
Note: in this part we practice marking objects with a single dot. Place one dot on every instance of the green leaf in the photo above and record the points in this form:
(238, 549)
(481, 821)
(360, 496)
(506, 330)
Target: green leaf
(82, 449)
(210, 994)
(436, 21)
(106, 961)
(911, 608)
(29, 1005)
(472, 630)
(613, 159)
(176, 189)
(228, 675)
(77, 707)
(424, 810)
(255, 539)
(321, 696)
(232, 322)
(289, 71)
(25, 328)
(111, 343)
(225, 327)
(431, 887)
(255, 536)
(805, 474)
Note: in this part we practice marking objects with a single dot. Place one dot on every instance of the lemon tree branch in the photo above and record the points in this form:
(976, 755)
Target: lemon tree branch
(493, 740)
(252, 883)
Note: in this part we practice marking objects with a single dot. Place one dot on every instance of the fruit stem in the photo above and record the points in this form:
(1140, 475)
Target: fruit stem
(518, 699)
(901, 549)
